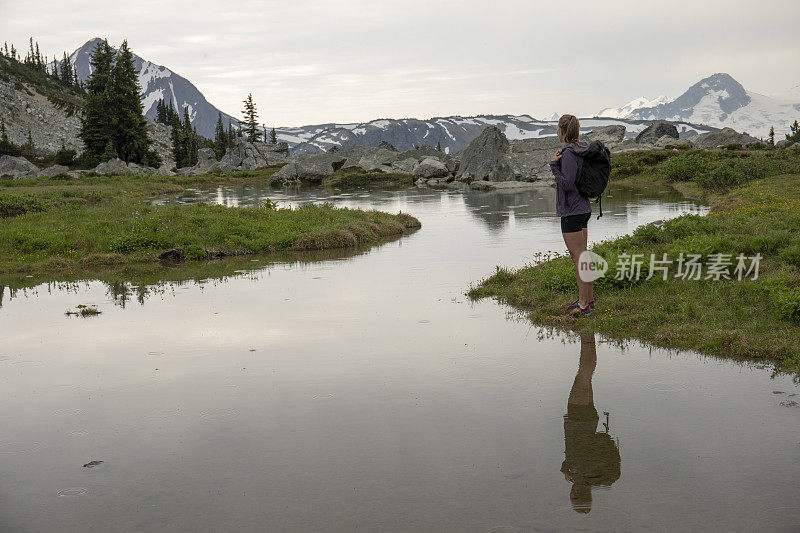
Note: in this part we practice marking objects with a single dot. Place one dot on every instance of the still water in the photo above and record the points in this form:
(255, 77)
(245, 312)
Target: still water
(363, 391)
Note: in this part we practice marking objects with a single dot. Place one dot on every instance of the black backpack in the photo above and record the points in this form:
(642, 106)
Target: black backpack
(596, 171)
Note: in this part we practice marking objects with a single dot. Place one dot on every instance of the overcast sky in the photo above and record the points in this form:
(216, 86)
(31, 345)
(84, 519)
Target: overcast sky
(315, 61)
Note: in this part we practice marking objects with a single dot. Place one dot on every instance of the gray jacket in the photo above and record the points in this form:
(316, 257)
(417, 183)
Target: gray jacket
(566, 170)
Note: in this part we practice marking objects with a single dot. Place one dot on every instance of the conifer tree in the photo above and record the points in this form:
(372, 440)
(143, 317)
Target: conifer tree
(250, 119)
(771, 137)
(795, 135)
(220, 138)
(178, 145)
(273, 137)
(439, 146)
(231, 135)
(189, 139)
(98, 124)
(130, 139)
(66, 71)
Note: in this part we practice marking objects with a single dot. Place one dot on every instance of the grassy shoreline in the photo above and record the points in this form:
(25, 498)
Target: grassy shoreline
(749, 320)
(65, 225)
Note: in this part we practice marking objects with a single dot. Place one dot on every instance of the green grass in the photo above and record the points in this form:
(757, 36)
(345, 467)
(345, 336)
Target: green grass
(65, 225)
(754, 320)
(710, 170)
(358, 177)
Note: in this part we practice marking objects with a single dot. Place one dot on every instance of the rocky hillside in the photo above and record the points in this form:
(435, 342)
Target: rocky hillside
(719, 101)
(32, 102)
(35, 103)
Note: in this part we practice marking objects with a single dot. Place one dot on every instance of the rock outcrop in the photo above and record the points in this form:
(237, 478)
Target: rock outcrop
(114, 166)
(783, 143)
(245, 155)
(206, 162)
(378, 160)
(17, 167)
(486, 158)
(608, 135)
(530, 158)
(655, 131)
(714, 139)
(55, 170)
(310, 167)
(431, 168)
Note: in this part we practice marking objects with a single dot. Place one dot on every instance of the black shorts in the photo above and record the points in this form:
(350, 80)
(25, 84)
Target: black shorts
(574, 223)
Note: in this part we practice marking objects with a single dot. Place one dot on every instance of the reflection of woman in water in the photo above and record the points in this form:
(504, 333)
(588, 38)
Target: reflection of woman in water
(592, 459)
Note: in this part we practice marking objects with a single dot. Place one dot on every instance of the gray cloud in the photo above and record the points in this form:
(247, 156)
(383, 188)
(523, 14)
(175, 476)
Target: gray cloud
(355, 60)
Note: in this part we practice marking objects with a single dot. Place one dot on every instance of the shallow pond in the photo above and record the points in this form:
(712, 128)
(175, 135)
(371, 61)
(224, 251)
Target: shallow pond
(364, 391)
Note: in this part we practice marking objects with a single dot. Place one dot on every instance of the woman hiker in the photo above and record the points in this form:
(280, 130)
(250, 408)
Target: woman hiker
(573, 208)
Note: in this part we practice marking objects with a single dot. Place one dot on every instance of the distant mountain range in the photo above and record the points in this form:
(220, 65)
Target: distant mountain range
(452, 133)
(160, 82)
(718, 101)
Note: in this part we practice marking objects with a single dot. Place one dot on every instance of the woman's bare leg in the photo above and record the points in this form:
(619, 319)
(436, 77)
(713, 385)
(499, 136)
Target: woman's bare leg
(576, 245)
(589, 284)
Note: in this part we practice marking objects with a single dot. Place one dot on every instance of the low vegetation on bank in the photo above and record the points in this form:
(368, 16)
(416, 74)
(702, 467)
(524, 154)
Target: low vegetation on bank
(755, 199)
(65, 224)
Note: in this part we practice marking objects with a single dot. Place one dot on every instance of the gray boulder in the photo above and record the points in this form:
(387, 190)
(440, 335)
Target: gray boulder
(245, 155)
(166, 170)
(530, 158)
(667, 140)
(655, 131)
(405, 166)
(431, 168)
(379, 159)
(725, 136)
(55, 170)
(486, 158)
(206, 162)
(608, 135)
(310, 167)
(17, 167)
(783, 143)
(114, 166)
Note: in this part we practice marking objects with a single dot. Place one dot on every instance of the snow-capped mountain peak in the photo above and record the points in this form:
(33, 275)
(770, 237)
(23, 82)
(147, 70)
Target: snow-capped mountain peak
(630, 107)
(719, 101)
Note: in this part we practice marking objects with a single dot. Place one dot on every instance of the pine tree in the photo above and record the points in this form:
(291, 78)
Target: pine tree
(13, 52)
(220, 138)
(27, 147)
(250, 119)
(231, 135)
(66, 71)
(273, 137)
(109, 152)
(795, 135)
(130, 139)
(771, 137)
(3, 134)
(178, 147)
(98, 124)
(190, 142)
(439, 146)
